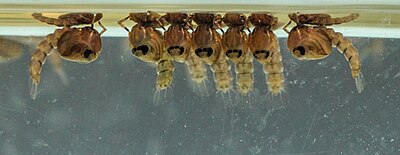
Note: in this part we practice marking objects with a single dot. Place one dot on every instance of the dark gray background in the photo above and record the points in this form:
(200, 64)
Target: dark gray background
(107, 108)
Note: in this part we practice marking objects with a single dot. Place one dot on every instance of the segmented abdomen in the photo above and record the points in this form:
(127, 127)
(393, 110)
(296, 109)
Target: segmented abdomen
(222, 74)
(165, 69)
(244, 75)
(39, 56)
(345, 46)
(274, 71)
(197, 69)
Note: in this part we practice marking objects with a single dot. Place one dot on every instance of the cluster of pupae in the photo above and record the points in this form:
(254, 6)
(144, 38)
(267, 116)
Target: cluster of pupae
(195, 40)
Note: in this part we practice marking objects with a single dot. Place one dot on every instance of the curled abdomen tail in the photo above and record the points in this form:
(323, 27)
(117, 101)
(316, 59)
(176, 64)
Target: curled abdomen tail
(351, 54)
(39, 56)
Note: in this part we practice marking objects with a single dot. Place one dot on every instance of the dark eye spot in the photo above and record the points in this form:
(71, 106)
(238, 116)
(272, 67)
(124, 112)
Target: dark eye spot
(133, 50)
(197, 52)
(87, 53)
(173, 49)
(144, 49)
(228, 52)
(169, 49)
(301, 49)
(209, 51)
(202, 52)
(181, 50)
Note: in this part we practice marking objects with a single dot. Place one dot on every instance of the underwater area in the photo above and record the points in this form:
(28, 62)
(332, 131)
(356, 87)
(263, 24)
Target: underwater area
(108, 106)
